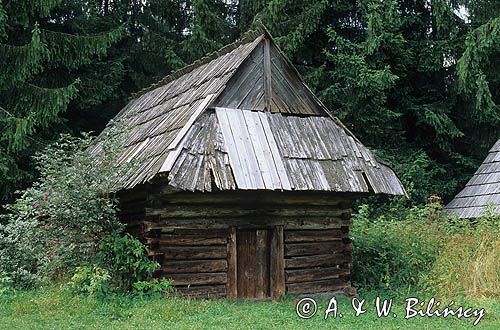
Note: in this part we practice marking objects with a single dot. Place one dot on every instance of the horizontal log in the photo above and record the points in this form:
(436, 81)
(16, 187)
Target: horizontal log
(174, 240)
(322, 260)
(205, 291)
(196, 278)
(194, 266)
(308, 249)
(318, 223)
(192, 252)
(193, 211)
(294, 223)
(250, 197)
(195, 232)
(317, 286)
(314, 274)
(292, 236)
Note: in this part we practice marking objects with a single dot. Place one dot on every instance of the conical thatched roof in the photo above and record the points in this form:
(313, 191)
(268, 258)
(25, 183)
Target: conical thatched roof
(482, 189)
(242, 118)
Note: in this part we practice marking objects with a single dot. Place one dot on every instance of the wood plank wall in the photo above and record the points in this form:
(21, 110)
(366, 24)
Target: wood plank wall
(192, 236)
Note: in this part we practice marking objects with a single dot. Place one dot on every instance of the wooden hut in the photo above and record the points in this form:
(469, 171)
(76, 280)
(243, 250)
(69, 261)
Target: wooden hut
(483, 188)
(243, 183)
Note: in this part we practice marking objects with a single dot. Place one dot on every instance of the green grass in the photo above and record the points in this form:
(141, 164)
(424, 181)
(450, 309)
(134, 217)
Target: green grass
(57, 309)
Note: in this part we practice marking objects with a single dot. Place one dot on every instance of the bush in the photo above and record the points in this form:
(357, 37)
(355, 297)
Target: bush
(153, 288)
(91, 280)
(392, 251)
(22, 249)
(127, 260)
(122, 265)
(56, 224)
(5, 284)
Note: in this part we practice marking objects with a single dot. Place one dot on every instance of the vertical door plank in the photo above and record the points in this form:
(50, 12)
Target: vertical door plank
(246, 241)
(232, 274)
(262, 264)
(277, 263)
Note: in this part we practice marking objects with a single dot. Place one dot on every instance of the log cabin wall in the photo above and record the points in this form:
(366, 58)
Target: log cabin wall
(193, 236)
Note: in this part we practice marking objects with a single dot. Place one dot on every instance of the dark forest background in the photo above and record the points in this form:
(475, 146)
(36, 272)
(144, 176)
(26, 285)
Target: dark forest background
(417, 81)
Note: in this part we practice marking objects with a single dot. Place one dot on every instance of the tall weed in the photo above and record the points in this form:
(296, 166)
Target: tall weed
(424, 249)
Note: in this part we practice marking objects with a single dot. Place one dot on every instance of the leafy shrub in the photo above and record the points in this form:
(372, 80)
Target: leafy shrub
(5, 284)
(122, 265)
(153, 288)
(22, 247)
(57, 223)
(392, 251)
(92, 280)
(127, 260)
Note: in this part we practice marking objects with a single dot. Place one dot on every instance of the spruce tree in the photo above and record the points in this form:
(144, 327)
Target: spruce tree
(39, 60)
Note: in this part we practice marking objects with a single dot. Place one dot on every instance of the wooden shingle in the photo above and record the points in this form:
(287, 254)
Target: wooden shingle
(244, 119)
(483, 188)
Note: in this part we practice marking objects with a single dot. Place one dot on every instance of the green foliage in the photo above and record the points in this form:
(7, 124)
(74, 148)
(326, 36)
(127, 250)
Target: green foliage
(90, 280)
(40, 56)
(58, 223)
(422, 249)
(6, 286)
(127, 260)
(389, 70)
(153, 288)
(411, 79)
(121, 265)
(469, 262)
(480, 44)
(392, 251)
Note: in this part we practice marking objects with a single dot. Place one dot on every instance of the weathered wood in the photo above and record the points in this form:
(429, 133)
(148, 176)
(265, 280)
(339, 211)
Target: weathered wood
(221, 212)
(205, 291)
(320, 260)
(196, 278)
(241, 177)
(292, 236)
(294, 223)
(246, 245)
(161, 191)
(262, 283)
(267, 75)
(277, 263)
(232, 274)
(278, 161)
(194, 266)
(305, 249)
(331, 285)
(314, 274)
(262, 151)
(173, 240)
(192, 252)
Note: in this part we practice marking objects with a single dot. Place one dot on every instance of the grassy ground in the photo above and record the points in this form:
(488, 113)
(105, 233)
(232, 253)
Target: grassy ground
(57, 309)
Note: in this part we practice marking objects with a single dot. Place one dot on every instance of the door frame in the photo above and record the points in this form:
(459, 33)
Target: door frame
(276, 262)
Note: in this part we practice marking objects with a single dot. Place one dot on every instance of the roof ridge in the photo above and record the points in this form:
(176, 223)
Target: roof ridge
(247, 37)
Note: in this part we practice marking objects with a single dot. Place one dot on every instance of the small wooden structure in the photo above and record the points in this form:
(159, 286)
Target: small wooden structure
(483, 188)
(244, 183)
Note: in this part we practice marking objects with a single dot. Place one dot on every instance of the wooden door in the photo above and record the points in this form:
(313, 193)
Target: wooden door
(253, 263)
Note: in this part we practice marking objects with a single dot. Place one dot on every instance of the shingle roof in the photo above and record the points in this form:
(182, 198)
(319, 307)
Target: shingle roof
(481, 190)
(242, 118)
